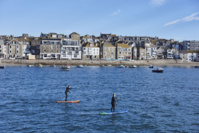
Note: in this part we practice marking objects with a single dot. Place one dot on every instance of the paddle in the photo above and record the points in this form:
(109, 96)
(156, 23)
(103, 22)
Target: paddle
(117, 99)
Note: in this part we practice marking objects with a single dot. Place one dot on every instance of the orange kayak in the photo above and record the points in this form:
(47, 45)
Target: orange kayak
(77, 101)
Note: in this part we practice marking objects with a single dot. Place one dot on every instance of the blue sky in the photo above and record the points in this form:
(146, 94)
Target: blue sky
(176, 19)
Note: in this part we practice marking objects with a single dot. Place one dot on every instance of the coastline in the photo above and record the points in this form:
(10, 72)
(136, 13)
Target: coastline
(160, 62)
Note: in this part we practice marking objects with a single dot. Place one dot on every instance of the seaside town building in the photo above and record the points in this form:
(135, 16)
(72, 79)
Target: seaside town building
(90, 51)
(14, 49)
(2, 49)
(50, 48)
(35, 46)
(108, 51)
(151, 52)
(123, 51)
(71, 49)
(191, 45)
(74, 36)
(86, 38)
(188, 56)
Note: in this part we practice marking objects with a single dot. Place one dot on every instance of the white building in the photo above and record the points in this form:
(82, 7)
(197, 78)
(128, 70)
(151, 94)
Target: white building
(71, 49)
(90, 51)
(189, 56)
(151, 52)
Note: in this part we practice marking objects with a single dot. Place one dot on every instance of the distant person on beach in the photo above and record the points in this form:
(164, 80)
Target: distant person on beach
(113, 103)
(66, 92)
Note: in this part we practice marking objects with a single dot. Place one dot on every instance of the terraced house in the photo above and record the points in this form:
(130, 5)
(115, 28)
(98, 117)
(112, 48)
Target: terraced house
(74, 36)
(71, 49)
(50, 49)
(16, 48)
(108, 51)
(35, 46)
(90, 51)
(123, 51)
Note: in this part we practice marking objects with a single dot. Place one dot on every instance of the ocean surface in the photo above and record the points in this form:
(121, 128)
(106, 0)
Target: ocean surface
(156, 102)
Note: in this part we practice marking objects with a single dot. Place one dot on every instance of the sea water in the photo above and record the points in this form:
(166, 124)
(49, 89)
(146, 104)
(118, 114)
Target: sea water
(156, 102)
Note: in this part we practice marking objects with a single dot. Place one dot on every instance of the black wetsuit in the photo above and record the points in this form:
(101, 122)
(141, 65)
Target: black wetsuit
(113, 104)
(66, 93)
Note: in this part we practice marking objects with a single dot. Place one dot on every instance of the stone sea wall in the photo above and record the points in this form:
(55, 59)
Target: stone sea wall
(95, 62)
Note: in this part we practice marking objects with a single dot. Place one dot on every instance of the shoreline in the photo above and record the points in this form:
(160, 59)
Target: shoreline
(163, 62)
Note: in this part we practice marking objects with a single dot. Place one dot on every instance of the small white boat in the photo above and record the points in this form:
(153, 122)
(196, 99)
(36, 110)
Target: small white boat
(121, 66)
(133, 66)
(66, 67)
(30, 65)
(109, 65)
(40, 65)
(80, 66)
(150, 66)
(158, 70)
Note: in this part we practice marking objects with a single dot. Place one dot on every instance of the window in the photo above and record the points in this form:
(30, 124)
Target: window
(10, 51)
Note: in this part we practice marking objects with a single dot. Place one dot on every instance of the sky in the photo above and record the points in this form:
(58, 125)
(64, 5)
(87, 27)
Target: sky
(169, 19)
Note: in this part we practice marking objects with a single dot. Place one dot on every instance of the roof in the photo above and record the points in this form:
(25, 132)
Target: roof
(108, 45)
(74, 33)
(192, 51)
(88, 44)
(123, 45)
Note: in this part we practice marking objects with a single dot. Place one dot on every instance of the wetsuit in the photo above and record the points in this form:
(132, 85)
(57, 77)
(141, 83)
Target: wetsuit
(113, 104)
(66, 93)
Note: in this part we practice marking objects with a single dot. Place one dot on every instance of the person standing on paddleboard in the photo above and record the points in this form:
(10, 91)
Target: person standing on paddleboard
(113, 103)
(66, 92)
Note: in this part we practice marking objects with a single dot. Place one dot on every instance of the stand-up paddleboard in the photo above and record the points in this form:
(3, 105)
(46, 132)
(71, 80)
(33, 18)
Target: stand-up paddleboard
(110, 113)
(77, 101)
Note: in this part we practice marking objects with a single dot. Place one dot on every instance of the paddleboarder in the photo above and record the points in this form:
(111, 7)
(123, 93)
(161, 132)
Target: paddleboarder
(113, 103)
(66, 92)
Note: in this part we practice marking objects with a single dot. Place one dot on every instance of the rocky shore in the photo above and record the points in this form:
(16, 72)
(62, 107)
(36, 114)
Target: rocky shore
(160, 62)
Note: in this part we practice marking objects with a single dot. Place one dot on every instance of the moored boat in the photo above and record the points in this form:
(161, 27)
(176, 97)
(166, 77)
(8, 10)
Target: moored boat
(196, 66)
(133, 66)
(1, 67)
(158, 70)
(109, 65)
(40, 65)
(80, 66)
(121, 66)
(66, 67)
(30, 65)
(150, 66)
